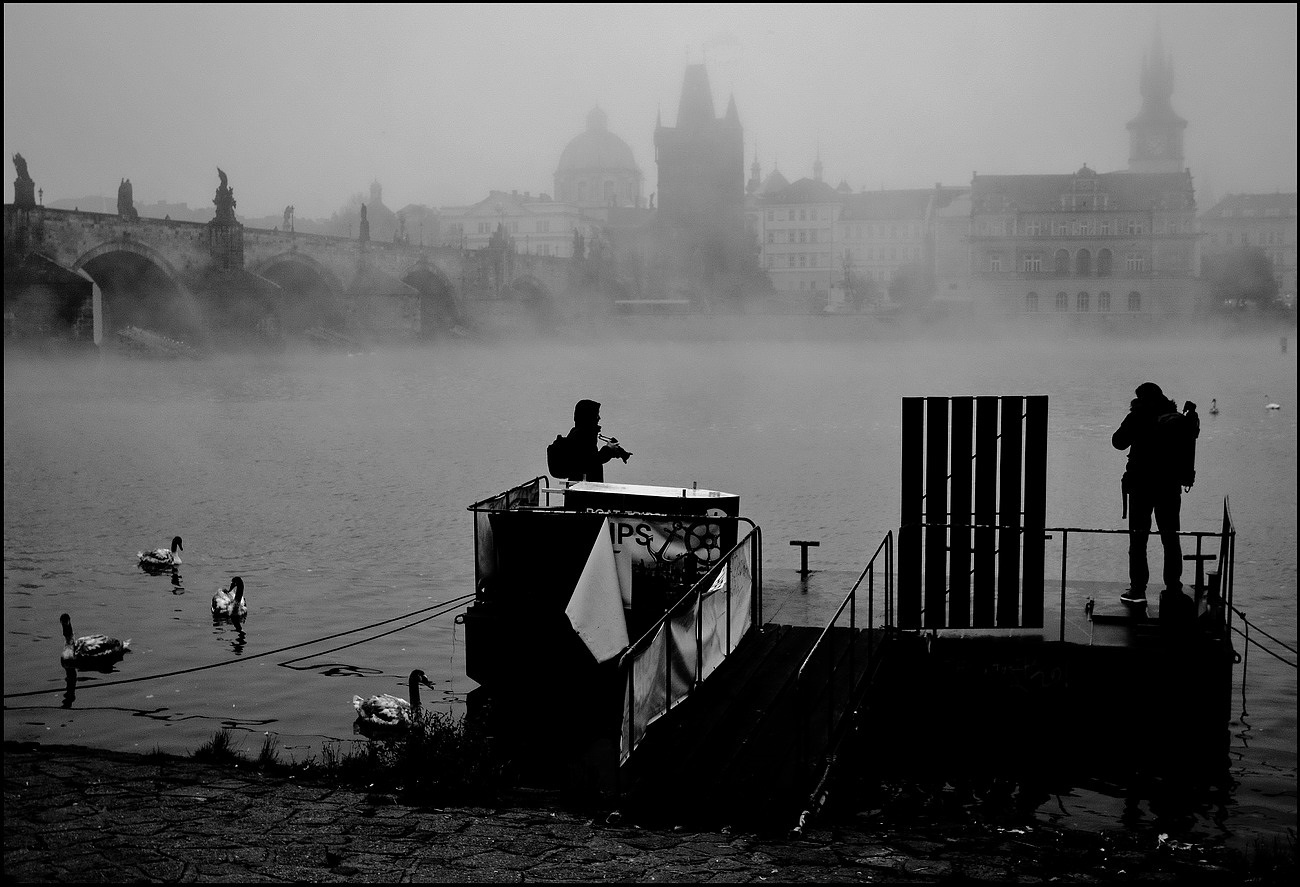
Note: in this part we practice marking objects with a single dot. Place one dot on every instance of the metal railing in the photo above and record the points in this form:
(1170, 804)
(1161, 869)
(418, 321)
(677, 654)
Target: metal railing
(661, 669)
(1227, 536)
(825, 644)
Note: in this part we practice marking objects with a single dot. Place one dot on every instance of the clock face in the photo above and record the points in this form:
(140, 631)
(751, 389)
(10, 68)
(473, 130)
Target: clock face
(1154, 143)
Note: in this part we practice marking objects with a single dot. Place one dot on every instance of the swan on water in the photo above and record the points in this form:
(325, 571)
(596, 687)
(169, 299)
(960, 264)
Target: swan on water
(230, 601)
(1214, 407)
(1272, 406)
(93, 650)
(386, 710)
(162, 557)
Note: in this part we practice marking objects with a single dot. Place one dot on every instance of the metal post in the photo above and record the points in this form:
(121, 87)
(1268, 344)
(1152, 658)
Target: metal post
(803, 555)
(1065, 552)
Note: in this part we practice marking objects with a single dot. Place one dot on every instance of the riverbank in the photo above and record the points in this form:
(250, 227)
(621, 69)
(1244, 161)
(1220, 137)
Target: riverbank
(76, 814)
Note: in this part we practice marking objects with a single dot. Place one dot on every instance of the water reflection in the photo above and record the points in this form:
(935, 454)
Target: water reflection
(231, 625)
(70, 693)
(177, 587)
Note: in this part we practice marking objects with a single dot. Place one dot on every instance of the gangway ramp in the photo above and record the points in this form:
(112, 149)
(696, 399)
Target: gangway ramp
(749, 745)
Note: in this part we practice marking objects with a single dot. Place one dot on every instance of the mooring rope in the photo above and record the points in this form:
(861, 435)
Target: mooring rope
(1263, 632)
(452, 603)
(1251, 640)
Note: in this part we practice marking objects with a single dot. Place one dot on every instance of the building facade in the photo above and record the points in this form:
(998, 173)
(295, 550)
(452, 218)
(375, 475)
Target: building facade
(699, 221)
(1266, 222)
(537, 225)
(1087, 243)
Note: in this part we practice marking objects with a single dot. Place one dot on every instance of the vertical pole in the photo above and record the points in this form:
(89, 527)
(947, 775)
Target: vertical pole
(936, 511)
(1065, 557)
(986, 479)
(963, 417)
(1035, 509)
(909, 530)
(1009, 515)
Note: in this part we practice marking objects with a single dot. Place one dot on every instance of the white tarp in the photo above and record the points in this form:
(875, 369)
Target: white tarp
(596, 608)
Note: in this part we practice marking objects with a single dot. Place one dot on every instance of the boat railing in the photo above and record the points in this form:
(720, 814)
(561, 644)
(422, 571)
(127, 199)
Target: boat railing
(811, 681)
(1216, 586)
(663, 667)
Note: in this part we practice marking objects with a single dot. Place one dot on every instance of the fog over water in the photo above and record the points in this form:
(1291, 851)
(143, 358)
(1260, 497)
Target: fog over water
(336, 486)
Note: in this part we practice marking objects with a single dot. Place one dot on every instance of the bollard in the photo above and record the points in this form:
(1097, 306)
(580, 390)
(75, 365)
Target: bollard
(804, 545)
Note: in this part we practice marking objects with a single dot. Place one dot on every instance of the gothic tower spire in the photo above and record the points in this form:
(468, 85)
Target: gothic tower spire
(1156, 134)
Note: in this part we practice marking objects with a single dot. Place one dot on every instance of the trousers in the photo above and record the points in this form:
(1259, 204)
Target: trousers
(1164, 502)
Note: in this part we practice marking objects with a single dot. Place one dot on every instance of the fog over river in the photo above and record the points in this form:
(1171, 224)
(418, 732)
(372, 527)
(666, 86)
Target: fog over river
(336, 486)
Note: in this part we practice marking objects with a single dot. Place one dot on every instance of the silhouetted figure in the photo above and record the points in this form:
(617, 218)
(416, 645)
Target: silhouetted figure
(224, 201)
(24, 185)
(586, 458)
(126, 201)
(364, 233)
(1156, 436)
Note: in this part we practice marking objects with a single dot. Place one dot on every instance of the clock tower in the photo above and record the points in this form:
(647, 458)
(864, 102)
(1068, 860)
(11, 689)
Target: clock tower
(1156, 133)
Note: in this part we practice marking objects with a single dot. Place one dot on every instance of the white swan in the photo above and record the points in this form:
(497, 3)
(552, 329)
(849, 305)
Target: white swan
(1272, 406)
(91, 651)
(389, 711)
(229, 602)
(162, 557)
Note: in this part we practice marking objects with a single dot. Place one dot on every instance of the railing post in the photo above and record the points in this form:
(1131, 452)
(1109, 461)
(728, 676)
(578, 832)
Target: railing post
(1065, 555)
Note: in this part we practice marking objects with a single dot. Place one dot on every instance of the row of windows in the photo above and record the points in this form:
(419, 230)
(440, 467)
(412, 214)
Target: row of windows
(1083, 263)
(1252, 238)
(885, 254)
(807, 214)
(879, 232)
(1072, 227)
(799, 235)
(799, 260)
(1083, 302)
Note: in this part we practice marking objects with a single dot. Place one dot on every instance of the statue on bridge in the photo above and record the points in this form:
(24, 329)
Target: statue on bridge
(288, 218)
(126, 202)
(225, 202)
(365, 225)
(24, 185)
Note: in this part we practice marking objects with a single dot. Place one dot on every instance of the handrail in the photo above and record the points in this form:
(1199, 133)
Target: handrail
(850, 602)
(1227, 534)
(701, 590)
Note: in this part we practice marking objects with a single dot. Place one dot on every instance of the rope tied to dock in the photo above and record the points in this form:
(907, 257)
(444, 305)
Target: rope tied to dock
(444, 607)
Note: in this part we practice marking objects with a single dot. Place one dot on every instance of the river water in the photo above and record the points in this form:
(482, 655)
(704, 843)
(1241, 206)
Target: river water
(336, 486)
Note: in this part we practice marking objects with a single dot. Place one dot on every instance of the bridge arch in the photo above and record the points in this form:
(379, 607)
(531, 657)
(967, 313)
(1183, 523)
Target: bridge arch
(440, 309)
(310, 296)
(537, 298)
(139, 287)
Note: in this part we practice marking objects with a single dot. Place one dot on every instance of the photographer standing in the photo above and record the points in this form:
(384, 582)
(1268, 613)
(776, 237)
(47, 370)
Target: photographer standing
(1161, 445)
(586, 458)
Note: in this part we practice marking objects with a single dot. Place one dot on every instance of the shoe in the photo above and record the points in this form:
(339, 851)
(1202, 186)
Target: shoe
(1133, 597)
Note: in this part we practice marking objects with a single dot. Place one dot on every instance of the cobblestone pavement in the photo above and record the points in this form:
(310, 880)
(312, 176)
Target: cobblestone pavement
(74, 814)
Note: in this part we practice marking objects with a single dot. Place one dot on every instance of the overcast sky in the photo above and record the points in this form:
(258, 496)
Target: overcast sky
(307, 104)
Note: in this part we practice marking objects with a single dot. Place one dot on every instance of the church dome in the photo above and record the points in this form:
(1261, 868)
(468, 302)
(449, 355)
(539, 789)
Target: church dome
(597, 148)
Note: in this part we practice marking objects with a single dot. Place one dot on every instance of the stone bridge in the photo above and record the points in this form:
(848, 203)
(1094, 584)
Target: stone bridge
(83, 274)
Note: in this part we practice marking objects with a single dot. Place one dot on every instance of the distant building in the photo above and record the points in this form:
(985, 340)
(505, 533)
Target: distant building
(1156, 134)
(796, 225)
(1087, 243)
(699, 221)
(597, 169)
(537, 225)
(1266, 222)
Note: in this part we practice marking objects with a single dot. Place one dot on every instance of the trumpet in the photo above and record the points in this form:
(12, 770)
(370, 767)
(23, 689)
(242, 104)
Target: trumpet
(613, 443)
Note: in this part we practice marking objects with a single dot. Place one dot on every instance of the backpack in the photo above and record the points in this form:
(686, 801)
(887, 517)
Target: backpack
(1177, 434)
(558, 461)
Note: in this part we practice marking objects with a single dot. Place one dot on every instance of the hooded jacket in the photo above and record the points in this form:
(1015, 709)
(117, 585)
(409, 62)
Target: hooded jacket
(1149, 462)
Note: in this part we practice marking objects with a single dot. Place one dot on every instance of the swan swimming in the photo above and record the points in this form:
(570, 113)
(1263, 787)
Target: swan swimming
(386, 710)
(93, 650)
(1214, 407)
(162, 557)
(230, 601)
